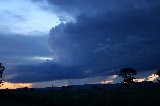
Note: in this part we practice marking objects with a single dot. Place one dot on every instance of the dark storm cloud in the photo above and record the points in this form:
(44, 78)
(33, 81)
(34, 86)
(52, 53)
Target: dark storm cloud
(76, 7)
(47, 71)
(105, 36)
(110, 39)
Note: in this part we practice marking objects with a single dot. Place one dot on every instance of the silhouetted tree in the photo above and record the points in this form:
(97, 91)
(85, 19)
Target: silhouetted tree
(26, 88)
(69, 87)
(2, 68)
(128, 75)
(63, 87)
(95, 87)
(158, 73)
(66, 87)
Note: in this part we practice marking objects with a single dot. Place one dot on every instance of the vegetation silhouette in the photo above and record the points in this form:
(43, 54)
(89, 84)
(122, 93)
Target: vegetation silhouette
(158, 73)
(128, 75)
(66, 87)
(26, 88)
(96, 95)
(2, 68)
(96, 87)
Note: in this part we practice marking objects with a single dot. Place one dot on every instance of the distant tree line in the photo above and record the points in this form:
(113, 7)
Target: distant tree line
(128, 75)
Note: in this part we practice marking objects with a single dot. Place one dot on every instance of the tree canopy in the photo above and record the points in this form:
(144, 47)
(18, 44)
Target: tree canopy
(128, 75)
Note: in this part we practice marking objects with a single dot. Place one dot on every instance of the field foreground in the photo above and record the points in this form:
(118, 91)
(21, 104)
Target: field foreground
(117, 97)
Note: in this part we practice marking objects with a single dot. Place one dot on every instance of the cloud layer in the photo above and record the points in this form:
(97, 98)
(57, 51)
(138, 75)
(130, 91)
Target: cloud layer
(104, 36)
(109, 39)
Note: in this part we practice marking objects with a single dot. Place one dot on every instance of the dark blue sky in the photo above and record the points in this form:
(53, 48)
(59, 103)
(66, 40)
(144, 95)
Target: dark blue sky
(82, 38)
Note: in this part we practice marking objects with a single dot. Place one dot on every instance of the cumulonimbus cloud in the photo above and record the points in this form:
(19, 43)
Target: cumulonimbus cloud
(100, 42)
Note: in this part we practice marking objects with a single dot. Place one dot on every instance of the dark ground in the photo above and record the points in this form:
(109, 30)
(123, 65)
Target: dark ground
(117, 97)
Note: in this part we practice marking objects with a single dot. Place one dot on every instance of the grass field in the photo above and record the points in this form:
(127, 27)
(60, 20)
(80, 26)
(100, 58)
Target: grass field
(117, 97)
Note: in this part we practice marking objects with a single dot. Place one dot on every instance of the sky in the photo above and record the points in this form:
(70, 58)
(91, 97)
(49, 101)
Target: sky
(78, 41)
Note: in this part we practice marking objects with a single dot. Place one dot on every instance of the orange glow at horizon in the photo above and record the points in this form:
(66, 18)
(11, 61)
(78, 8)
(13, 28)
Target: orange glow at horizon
(139, 79)
(152, 77)
(10, 85)
(106, 82)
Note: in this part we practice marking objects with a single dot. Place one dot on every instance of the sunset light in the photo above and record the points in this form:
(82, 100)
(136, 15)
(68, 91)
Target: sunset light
(139, 79)
(152, 77)
(79, 52)
(106, 82)
(9, 85)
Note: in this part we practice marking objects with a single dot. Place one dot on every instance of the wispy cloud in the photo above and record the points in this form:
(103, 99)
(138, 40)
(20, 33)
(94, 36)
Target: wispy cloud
(25, 17)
